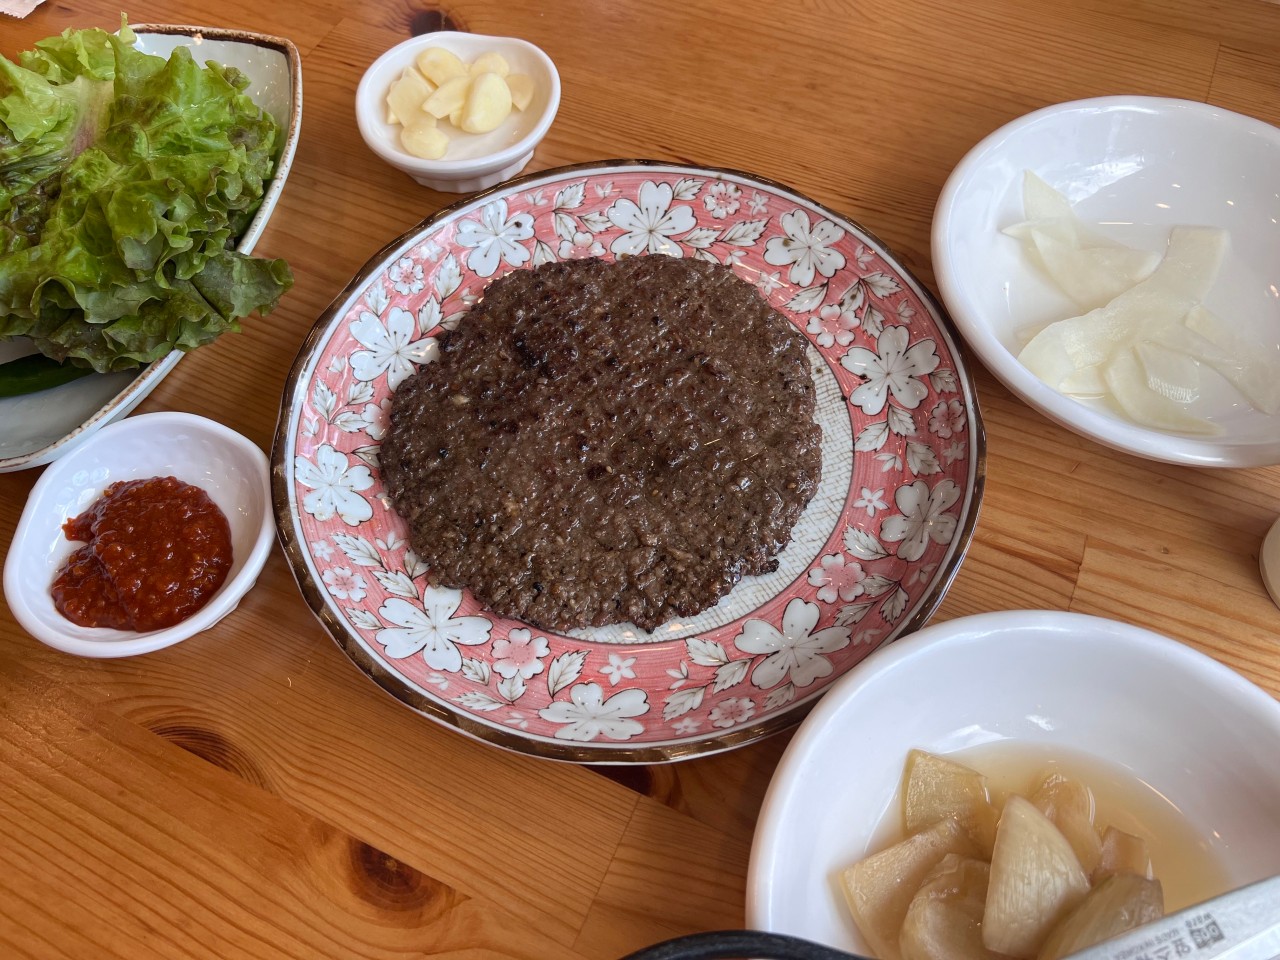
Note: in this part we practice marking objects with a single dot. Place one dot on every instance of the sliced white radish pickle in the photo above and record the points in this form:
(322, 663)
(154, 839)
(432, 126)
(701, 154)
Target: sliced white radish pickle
(1252, 368)
(1088, 267)
(1040, 201)
(1146, 341)
(1126, 382)
(1173, 375)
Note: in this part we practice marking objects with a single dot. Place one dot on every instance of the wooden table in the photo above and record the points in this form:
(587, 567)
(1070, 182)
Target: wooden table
(249, 793)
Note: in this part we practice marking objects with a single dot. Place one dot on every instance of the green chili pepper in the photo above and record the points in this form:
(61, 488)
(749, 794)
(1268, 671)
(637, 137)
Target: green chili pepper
(35, 373)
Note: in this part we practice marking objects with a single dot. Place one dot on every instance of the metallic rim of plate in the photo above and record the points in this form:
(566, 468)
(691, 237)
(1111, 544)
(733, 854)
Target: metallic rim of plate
(655, 753)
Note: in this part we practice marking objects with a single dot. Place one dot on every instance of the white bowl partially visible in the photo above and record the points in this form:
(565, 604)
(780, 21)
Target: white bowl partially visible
(474, 161)
(228, 467)
(1138, 166)
(1179, 722)
(40, 427)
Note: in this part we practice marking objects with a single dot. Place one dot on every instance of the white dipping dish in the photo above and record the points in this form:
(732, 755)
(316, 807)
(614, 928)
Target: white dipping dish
(228, 467)
(474, 161)
(1192, 729)
(1137, 166)
(40, 427)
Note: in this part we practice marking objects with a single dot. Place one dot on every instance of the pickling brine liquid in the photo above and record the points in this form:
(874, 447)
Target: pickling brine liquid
(1181, 859)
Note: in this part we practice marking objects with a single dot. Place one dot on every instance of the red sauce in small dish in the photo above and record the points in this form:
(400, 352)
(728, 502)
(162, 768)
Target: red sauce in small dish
(155, 552)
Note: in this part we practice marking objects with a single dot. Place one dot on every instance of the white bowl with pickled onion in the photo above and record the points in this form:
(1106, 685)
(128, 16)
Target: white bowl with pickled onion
(1176, 747)
(472, 161)
(231, 470)
(1133, 169)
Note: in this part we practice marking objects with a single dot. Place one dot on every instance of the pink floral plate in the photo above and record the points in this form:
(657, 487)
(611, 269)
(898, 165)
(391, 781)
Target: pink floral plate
(870, 559)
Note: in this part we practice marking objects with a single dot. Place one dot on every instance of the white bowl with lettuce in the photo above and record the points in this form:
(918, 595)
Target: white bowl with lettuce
(1116, 263)
(125, 264)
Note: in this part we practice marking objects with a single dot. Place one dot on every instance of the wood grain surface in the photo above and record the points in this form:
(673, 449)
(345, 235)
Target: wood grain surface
(249, 793)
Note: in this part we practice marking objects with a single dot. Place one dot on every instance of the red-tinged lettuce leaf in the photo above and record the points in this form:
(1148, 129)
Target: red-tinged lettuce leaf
(124, 182)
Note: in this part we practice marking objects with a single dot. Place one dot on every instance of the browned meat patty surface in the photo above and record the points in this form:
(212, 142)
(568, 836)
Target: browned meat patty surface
(606, 442)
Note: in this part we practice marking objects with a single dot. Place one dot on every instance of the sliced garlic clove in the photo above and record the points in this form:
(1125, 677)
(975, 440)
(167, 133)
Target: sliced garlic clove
(448, 97)
(521, 87)
(406, 96)
(490, 62)
(487, 105)
(440, 65)
(425, 141)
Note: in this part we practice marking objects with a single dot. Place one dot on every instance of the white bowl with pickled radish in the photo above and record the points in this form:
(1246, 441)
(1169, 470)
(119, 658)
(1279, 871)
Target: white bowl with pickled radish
(1176, 748)
(1132, 169)
(471, 161)
(230, 470)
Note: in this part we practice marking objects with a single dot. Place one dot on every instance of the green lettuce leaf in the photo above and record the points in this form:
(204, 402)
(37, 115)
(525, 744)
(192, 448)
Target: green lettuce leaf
(125, 180)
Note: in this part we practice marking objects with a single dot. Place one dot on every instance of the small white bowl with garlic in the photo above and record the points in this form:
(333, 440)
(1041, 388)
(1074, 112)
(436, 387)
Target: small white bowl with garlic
(1132, 172)
(491, 101)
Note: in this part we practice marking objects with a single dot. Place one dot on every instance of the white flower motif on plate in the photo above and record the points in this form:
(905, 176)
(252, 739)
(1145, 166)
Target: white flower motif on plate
(832, 325)
(389, 348)
(345, 585)
(809, 247)
(495, 238)
(837, 578)
(924, 517)
(582, 244)
(722, 199)
(520, 654)
(587, 714)
(406, 276)
(431, 628)
(650, 222)
(619, 669)
(794, 652)
(733, 712)
(896, 367)
(871, 501)
(335, 486)
(947, 418)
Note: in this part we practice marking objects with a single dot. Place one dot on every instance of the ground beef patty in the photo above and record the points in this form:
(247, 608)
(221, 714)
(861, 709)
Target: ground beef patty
(606, 442)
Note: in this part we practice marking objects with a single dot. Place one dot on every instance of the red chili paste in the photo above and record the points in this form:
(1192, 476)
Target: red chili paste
(155, 552)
